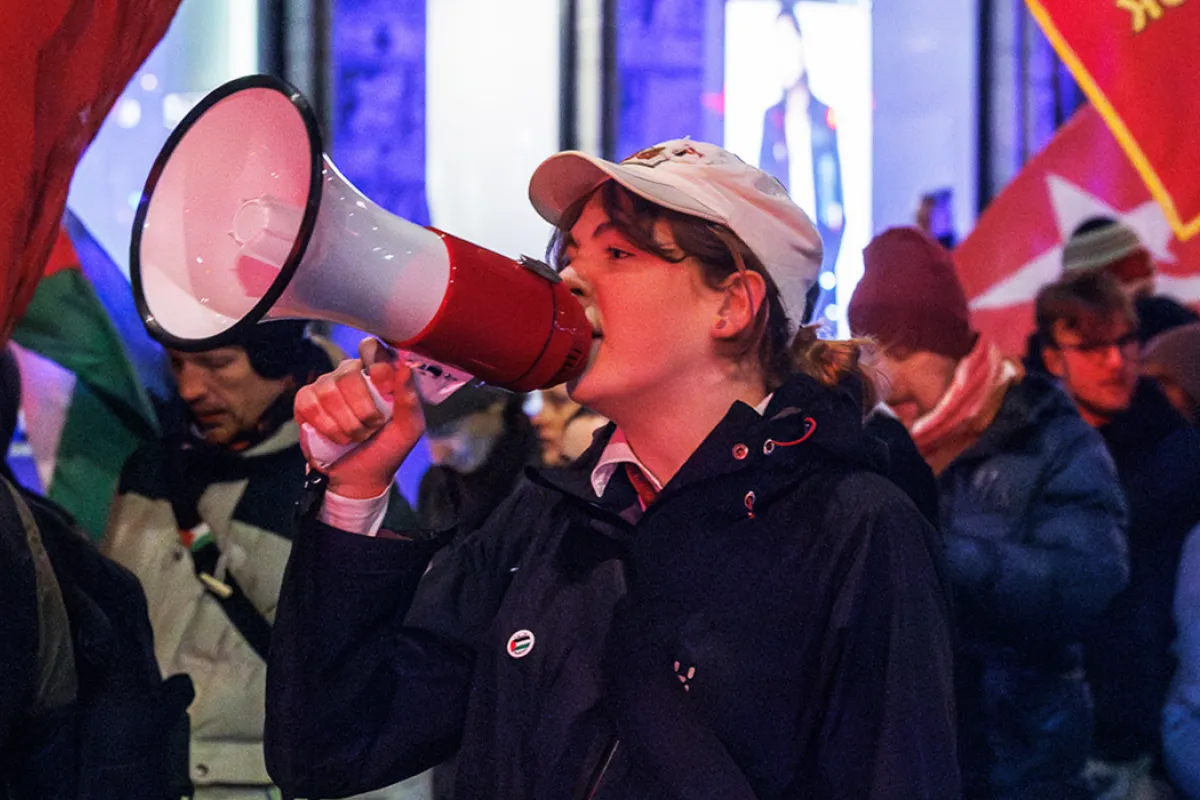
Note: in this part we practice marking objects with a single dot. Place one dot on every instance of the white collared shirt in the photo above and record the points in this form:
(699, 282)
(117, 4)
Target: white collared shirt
(618, 452)
(354, 515)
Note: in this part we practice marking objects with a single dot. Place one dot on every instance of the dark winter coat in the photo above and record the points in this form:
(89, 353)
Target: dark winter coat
(84, 711)
(905, 466)
(771, 627)
(37, 663)
(1033, 518)
(1159, 314)
(1129, 655)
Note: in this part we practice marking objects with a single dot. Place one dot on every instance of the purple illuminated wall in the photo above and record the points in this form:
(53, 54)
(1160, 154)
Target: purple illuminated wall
(379, 90)
(378, 63)
(669, 65)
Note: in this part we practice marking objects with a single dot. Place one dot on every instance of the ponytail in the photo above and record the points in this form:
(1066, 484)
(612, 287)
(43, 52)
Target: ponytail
(837, 363)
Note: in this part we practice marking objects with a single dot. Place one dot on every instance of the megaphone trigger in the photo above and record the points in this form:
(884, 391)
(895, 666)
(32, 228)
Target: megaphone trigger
(435, 380)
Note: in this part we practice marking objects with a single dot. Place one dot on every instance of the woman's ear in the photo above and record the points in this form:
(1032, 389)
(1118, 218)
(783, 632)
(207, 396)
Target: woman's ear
(742, 295)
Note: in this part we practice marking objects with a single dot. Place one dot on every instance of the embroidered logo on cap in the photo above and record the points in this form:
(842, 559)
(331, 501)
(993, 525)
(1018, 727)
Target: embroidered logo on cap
(682, 151)
(520, 644)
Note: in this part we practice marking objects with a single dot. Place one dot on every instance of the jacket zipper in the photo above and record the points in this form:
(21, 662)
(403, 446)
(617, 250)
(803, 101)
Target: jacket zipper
(604, 765)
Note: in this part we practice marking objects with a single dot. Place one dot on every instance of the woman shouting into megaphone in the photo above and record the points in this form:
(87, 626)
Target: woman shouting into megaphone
(723, 597)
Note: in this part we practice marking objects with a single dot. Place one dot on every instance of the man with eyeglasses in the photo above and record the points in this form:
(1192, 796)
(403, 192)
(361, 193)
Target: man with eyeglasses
(1103, 244)
(1088, 327)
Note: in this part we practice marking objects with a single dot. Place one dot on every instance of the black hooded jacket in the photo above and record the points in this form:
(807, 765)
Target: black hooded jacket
(1129, 658)
(773, 626)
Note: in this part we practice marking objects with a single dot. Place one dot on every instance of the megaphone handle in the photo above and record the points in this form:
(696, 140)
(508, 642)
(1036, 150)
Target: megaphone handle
(325, 453)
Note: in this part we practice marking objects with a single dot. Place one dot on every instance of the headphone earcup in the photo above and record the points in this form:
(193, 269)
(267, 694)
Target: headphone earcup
(277, 349)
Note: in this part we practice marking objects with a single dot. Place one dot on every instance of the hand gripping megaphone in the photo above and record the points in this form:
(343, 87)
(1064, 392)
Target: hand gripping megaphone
(244, 219)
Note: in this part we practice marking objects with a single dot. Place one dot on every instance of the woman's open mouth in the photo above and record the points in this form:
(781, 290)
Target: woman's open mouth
(593, 316)
(597, 338)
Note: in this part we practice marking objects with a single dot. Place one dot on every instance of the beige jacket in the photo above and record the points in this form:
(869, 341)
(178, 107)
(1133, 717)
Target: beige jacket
(192, 634)
(191, 631)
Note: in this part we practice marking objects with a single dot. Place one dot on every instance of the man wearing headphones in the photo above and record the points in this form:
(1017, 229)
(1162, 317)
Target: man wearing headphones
(203, 519)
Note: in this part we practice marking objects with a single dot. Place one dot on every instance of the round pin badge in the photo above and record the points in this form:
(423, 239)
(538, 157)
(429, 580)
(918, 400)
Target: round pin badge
(520, 643)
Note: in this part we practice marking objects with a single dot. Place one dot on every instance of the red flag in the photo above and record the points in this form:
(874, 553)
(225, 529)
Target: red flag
(1016, 247)
(64, 63)
(1135, 60)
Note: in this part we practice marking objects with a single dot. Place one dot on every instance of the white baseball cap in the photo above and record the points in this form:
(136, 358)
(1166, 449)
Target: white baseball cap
(704, 181)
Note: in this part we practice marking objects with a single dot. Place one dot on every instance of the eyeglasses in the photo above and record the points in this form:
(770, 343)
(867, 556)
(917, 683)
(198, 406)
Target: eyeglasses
(1128, 346)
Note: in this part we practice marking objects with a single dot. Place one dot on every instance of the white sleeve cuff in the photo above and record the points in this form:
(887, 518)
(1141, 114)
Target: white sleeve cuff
(355, 515)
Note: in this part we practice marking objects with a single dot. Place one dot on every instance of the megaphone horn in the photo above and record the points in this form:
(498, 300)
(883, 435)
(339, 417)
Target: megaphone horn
(244, 219)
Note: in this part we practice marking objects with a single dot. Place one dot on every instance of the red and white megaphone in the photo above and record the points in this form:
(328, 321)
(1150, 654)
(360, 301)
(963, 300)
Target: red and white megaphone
(244, 219)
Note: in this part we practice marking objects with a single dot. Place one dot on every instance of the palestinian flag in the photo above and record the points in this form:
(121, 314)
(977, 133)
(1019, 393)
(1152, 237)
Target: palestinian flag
(85, 408)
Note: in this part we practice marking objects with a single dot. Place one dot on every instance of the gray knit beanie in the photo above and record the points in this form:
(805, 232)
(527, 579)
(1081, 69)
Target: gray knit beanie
(1098, 243)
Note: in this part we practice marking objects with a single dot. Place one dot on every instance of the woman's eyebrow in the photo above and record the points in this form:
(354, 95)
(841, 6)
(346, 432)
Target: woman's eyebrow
(605, 227)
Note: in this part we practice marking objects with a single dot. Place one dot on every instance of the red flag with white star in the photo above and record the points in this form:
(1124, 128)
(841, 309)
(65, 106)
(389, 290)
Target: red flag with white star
(1016, 246)
(1135, 61)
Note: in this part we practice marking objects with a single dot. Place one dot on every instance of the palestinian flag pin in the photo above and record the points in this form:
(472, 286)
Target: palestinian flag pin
(520, 643)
